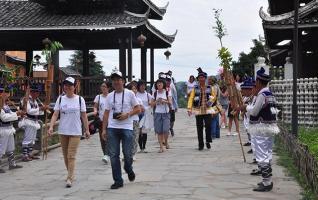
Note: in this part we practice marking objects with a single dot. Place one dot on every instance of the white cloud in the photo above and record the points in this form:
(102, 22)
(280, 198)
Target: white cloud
(196, 44)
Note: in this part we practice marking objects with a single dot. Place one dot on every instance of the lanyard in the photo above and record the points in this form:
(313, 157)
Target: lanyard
(122, 100)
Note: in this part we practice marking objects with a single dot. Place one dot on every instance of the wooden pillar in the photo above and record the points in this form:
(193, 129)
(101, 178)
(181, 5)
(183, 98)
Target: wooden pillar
(130, 63)
(152, 66)
(55, 85)
(122, 58)
(28, 67)
(85, 62)
(85, 85)
(144, 64)
(2, 57)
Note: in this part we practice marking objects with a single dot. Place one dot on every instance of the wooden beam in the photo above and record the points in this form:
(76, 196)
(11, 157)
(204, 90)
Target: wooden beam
(55, 85)
(29, 58)
(122, 58)
(130, 59)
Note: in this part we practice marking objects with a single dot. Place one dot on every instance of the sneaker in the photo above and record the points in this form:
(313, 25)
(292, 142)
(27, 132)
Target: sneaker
(68, 183)
(132, 176)
(141, 151)
(234, 134)
(262, 188)
(26, 159)
(116, 186)
(250, 151)
(247, 144)
(134, 158)
(2, 171)
(208, 145)
(106, 159)
(223, 126)
(11, 167)
(256, 172)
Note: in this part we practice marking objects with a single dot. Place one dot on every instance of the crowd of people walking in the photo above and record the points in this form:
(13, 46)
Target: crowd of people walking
(125, 113)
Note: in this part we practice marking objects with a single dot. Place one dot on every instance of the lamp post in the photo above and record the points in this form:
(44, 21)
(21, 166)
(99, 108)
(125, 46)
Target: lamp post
(295, 66)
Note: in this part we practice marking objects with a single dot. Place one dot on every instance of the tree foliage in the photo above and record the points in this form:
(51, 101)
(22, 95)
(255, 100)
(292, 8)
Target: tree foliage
(219, 28)
(245, 64)
(95, 67)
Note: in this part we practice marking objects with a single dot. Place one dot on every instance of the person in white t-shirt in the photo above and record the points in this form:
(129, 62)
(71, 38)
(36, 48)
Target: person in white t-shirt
(99, 109)
(71, 108)
(136, 130)
(146, 118)
(162, 100)
(190, 84)
(121, 104)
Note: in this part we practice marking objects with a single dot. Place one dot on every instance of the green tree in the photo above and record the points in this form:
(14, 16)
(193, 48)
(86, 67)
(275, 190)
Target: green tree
(95, 67)
(245, 64)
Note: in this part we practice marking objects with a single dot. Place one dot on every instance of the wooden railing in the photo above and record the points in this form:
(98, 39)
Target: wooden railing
(88, 87)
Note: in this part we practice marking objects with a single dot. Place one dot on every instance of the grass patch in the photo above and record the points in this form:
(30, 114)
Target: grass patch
(286, 160)
(309, 136)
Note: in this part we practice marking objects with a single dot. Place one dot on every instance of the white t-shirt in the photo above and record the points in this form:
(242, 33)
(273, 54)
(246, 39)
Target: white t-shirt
(101, 101)
(70, 115)
(162, 108)
(136, 117)
(130, 101)
(190, 86)
(145, 98)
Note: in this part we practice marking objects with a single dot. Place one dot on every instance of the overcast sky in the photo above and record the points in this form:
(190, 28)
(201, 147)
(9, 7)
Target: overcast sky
(195, 45)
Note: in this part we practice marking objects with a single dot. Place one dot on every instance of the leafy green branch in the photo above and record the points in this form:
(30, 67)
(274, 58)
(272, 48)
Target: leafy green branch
(219, 29)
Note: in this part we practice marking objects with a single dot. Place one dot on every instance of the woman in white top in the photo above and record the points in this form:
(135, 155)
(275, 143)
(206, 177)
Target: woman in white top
(146, 117)
(162, 100)
(71, 108)
(99, 109)
(191, 83)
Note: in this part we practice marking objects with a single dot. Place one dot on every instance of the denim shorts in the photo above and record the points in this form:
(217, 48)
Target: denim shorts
(162, 123)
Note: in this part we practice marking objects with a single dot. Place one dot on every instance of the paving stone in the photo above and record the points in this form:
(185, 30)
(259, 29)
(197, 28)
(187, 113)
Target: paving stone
(182, 172)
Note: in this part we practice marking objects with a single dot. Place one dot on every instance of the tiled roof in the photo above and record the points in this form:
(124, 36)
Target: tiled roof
(25, 15)
(69, 72)
(304, 11)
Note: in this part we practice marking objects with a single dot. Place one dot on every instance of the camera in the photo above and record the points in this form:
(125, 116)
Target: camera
(116, 115)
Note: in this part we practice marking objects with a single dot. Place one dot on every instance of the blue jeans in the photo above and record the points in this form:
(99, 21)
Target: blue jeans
(114, 136)
(215, 127)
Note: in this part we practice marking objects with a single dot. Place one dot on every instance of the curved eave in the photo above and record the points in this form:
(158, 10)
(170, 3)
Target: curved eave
(156, 12)
(169, 39)
(303, 11)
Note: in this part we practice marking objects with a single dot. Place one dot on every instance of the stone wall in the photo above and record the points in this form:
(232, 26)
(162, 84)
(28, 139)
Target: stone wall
(307, 100)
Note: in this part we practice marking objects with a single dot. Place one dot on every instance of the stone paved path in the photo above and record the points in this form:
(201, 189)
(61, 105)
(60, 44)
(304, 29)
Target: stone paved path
(180, 173)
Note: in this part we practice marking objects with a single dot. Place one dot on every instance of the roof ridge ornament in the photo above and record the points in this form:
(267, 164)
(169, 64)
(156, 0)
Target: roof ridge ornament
(303, 11)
